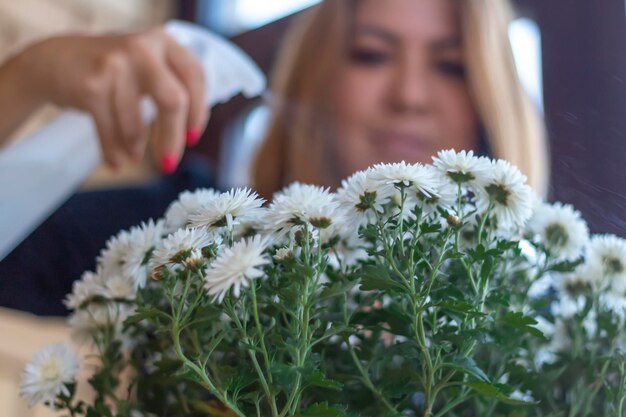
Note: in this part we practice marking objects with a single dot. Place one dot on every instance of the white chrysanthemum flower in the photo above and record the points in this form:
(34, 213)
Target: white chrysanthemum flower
(302, 203)
(559, 338)
(560, 228)
(236, 266)
(87, 322)
(119, 287)
(182, 244)
(358, 196)
(188, 202)
(231, 208)
(508, 195)
(590, 324)
(445, 192)
(415, 176)
(463, 167)
(613, 298)
(111, 258)
(615, 301)
(83, 290)
(584, 281)
(541, 287)
(141, 243)
(567, 307)
(129, 252)
(607, 253)
(96, 285)
(46, 376)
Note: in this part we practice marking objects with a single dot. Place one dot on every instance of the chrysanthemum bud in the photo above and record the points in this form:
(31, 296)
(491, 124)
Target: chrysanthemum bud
(321, 222)
(282, 254)
(453, 220)
(155, 275)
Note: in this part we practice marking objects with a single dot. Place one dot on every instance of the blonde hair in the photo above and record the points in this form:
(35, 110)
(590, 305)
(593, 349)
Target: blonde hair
(297, 145)
(515, 131)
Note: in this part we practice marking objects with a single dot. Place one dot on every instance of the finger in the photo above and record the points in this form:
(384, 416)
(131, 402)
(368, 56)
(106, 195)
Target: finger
(191, 74)
(168, 162)
(126, 110)
(172, 104)
(106, 127)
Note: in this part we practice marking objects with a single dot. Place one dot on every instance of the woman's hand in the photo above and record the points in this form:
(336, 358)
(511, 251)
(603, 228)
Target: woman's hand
(108, 75)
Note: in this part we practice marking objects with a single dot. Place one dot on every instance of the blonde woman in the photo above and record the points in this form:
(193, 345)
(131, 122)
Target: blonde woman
(366, 81)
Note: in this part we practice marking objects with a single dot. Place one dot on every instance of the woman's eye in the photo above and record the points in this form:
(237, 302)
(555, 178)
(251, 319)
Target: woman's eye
(453, 69)
(369, 57)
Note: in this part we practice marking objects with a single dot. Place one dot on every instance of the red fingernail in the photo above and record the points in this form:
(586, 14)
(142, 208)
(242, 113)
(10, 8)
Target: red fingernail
(193, 136)
(168, 163)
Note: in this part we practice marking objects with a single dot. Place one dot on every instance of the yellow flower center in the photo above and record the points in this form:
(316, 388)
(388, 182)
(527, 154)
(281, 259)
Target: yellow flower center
(50, 370)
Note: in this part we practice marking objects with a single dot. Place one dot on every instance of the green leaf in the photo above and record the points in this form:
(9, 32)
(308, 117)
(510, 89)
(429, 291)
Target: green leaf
(167, 366)
(519, 321)
(145, 313)
(377, 278)
(468, 366)
(240, 381)
(290, 293)
(284, 375)
(426, 228)
(477, 253)
(336, 289)
(495, 391)
(461, 307)
(486, 268)
(565, 266)
(318, 379)
(398, 383)
(452, 254)
(338, 329)
(483, 388)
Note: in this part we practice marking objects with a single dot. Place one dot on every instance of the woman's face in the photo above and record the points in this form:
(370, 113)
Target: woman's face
(402, 94)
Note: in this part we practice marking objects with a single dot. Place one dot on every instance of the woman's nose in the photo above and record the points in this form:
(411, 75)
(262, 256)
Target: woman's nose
(410, 89)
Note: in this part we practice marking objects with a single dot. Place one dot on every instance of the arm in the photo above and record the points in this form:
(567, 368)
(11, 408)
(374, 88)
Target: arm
(18, 98)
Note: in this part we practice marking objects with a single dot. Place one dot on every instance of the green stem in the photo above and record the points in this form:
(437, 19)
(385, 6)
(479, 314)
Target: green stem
(262, 380)
(388, 252)
(367, 381)
(459, 201)
(304, 335)
(435, 270)
(427, 366)
(452, 404)
(590, 394)
(470, 274)
(401, 220)
(205, 380)
(483, 221)
(255, 312)
(271, 400)
(621, 395)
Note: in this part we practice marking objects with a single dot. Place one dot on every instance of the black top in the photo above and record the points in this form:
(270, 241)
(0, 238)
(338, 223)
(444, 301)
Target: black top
(37, 275)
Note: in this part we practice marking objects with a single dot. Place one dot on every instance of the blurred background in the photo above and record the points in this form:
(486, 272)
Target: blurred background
(570, 54)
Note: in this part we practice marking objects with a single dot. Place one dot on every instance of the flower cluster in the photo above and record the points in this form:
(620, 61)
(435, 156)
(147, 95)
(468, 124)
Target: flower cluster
(414, 290)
